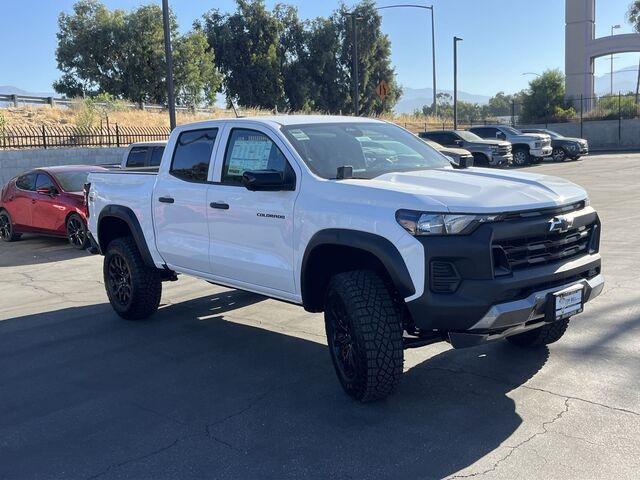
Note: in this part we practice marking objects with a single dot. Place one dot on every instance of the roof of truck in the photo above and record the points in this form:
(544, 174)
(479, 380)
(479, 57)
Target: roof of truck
(285, 120)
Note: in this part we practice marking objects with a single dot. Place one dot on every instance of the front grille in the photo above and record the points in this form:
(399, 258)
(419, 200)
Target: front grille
(504, 149)
(546, 143)
(552, 247)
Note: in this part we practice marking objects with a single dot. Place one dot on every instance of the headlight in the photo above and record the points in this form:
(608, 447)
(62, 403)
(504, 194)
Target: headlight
(424, 223)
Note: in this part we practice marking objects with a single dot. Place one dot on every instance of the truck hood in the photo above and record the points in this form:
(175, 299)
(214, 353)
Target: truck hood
(530, 136)
(486, 143)
(479, 190)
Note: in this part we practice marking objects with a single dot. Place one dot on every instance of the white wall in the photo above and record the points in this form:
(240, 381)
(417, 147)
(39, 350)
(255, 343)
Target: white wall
(14, 162)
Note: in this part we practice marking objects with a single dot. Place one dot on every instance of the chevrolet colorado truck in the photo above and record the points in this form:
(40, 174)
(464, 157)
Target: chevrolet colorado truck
(356, 218)
(527, 147)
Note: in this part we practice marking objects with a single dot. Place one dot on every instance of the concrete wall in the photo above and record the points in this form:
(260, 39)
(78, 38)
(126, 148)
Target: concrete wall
(601, 134)
(14, 162)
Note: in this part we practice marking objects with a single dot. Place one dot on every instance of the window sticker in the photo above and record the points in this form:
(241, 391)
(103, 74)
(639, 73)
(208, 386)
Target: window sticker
(299, 134)
(249, 155)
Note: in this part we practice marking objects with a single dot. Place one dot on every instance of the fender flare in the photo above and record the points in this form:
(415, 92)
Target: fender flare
(372, 243)
(126, 215)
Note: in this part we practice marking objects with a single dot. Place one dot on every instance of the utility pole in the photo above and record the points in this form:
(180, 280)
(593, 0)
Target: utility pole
(169, 60)
(455, 81)
(433, 46)
(354, 54)
(613, 27)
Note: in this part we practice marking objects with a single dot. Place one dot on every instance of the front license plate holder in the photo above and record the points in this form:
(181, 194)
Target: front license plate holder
(565, 303)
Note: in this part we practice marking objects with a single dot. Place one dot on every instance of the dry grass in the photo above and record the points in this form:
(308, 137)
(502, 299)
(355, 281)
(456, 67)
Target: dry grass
(80, 115)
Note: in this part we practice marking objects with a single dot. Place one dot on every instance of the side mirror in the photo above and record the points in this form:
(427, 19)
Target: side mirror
(47, 191)
(500, 135)
(265, 181)
(463, 162)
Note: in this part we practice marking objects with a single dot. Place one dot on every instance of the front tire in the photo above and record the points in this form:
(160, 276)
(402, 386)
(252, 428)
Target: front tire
(539, 337)
(521, 157)
(134, 289)
(364, 332)
(559, 154)
(7, 231)
(77, 232)
(480, 160)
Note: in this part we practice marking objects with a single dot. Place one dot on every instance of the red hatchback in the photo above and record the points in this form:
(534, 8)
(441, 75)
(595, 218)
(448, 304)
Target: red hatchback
(49, 201)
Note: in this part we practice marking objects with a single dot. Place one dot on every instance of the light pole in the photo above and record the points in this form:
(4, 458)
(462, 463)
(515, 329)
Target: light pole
(532, 73)
(354, 63)
(433, 45)
(169, 60)
(613, 27)
(455, 81)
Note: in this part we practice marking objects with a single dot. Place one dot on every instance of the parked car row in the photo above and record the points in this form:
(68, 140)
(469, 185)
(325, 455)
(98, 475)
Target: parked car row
(502, 145)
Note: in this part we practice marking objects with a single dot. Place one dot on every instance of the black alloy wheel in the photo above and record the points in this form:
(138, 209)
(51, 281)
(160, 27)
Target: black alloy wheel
(119, 280)
(76, 232)
(7, 233)
(344, 348)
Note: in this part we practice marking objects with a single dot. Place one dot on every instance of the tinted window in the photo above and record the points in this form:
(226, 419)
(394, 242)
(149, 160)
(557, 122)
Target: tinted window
(156, 156)
(27, 182)
(72, 181)
(43, 181)
(192, 155)
(485, 132)
(137, 157)
(250, 150)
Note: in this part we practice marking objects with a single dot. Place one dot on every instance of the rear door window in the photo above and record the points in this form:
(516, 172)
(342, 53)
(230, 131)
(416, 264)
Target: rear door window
(27, 182)
(192, 155)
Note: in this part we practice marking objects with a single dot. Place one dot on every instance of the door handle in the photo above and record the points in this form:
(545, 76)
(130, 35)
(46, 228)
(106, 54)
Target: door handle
(33, 201)
(219, 205)
(166, 200)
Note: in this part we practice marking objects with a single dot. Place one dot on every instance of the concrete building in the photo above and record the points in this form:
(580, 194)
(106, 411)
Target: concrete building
(582, 47)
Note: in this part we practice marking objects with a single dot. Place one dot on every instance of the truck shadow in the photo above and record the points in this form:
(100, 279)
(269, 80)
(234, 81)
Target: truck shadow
(34, 249)
(192, 394)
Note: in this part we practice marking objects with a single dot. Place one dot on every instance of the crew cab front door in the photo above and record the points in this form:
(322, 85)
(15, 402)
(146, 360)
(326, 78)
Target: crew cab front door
(252, 231)
(180, 202)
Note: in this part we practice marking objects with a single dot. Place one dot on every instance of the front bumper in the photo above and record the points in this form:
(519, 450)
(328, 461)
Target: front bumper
(541, 152)
(498, 160)
(488, 301)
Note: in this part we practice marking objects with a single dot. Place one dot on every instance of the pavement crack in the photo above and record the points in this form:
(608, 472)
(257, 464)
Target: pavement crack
(537, 389)
(513, 449)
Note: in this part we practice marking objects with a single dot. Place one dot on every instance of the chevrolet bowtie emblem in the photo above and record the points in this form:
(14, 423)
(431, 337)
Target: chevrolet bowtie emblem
(560, 224)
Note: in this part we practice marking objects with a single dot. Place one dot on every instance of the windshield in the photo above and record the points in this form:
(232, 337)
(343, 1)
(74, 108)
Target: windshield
(72, 181)
(468, 136)
(372, 149)
(511, 130)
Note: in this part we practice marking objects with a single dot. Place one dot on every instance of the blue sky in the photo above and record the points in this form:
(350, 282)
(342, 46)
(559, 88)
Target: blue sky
(502, 38)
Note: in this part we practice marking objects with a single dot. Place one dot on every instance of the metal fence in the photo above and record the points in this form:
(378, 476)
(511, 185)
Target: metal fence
(68, 136)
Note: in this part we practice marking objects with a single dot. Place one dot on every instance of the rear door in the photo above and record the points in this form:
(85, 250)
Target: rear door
(252, 232)
(180, 202)
(46, 212)
(22, 202)
(138, 157)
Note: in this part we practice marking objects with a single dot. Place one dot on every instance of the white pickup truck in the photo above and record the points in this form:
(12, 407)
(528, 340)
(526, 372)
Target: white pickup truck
(356, 218)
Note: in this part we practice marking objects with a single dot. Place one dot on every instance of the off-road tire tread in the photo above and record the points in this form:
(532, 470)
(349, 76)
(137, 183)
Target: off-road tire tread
(147, 285)
(539, 337)
(377, 325)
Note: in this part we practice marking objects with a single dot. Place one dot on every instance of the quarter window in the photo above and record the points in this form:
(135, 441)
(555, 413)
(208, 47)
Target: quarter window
(27, 182)
(192, 155)
(250, 150)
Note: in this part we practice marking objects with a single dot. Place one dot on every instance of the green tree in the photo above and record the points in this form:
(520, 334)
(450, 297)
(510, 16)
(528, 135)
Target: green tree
(545, 94)
(247, 46)
(122, 54)
(634, 19)
(196, 78)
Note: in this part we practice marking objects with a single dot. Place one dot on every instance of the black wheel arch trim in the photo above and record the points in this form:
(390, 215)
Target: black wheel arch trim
(126, 214)
(374, 244)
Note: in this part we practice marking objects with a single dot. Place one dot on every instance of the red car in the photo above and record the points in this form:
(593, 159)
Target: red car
(49, 201)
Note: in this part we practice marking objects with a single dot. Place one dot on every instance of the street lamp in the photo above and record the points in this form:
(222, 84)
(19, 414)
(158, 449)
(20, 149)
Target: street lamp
(169, 60)
(455, 81)
(613, 27)
(532, 73)
(433, 44)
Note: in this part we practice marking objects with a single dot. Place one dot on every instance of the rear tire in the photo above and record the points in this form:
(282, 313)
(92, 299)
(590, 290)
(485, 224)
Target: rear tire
(364, 332)
(539, 337)
(76, 232)
(521, 157)
(7, 232)
(134, 289)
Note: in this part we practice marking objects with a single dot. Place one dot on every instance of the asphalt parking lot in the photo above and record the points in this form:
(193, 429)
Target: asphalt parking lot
(225, 384)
